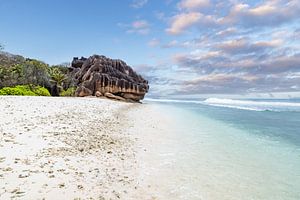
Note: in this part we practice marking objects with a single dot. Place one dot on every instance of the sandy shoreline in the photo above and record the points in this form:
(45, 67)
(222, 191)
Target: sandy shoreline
(70, 148)
(90, 148)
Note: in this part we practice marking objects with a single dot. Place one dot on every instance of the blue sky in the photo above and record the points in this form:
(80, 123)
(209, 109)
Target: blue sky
(186, 48)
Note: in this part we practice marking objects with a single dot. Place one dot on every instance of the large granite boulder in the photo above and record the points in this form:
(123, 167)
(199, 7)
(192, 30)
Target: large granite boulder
(102, 76)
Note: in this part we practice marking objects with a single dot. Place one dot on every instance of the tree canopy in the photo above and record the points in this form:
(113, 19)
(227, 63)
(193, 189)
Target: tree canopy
(17, 70)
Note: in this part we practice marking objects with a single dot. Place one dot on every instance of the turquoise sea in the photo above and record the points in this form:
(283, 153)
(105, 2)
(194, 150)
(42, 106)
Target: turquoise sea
(232, 149)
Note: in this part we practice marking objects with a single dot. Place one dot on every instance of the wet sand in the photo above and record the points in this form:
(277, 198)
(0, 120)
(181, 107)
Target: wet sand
(69, 148)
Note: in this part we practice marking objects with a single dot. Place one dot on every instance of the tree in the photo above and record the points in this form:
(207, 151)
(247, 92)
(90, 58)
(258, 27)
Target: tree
(69, 80)
(11, 76)
(57, 78)
(15, 71)
(36, 73)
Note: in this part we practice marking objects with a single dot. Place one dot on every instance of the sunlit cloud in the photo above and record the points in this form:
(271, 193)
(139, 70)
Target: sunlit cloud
(182, 22)
(269, 13)
(193, 4)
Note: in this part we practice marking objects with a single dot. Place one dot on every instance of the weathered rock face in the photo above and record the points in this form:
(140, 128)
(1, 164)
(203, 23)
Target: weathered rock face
(102, 76)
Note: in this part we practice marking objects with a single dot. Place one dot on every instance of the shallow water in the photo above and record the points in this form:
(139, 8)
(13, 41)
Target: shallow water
(213, 152)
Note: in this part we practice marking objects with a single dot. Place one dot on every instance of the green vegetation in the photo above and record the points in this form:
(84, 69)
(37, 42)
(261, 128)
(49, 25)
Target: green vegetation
(29, 72)
(70, 92)
(57, 77)
(40, 91)
(20, 76)
(25, 90)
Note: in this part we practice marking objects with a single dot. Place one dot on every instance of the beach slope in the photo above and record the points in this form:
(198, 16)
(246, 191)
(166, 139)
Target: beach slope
(66, 148)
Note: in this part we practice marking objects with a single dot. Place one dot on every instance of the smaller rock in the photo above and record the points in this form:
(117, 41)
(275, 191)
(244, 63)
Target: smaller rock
(2, 159)
(15, 190)
(7, 169)
(80, 187)
(98, 94)
(111, 96)
(23, 175)
(82, 92)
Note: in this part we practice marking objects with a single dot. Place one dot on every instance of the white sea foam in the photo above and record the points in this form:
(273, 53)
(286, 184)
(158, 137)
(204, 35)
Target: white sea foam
(253, 105)
(173, 101)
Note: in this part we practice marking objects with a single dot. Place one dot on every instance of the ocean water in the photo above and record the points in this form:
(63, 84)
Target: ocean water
(230, 149)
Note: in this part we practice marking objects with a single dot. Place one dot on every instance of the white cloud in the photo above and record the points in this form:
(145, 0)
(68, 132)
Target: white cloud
(171, 44)
(181, 22)
(193, 5)
(242, 45)
(139, 27)
(234, 48)
(140, 24)
(263, 10)
(227, 31)
(272, 43)
(138, 3)
(268, 13)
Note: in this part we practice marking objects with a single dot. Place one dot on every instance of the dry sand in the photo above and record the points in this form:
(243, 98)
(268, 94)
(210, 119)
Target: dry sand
(73, 148)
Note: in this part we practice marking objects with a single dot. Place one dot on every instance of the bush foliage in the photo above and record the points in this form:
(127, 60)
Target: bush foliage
(40, 91)
(17, 72)
(25, 90)
(30, 72)
(70, 92)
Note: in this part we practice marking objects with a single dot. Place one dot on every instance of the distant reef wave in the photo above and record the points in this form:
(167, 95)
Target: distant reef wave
(253, 105)
(172, 100)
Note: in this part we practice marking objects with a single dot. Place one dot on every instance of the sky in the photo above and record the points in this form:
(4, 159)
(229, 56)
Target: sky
(185, 48)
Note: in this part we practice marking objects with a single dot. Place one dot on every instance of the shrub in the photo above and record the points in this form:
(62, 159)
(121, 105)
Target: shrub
(70, 92)
(40, 91)
(25, 90)
(17, 90)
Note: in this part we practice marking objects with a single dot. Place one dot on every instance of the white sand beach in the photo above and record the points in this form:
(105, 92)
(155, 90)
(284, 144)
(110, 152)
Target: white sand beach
(72, 148)
(94, 148)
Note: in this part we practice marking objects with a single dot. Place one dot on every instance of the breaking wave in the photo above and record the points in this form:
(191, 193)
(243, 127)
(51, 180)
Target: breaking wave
(173, 101)
(254, 105)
